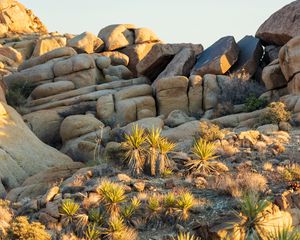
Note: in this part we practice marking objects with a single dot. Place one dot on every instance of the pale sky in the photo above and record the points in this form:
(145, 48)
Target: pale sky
(174, 21)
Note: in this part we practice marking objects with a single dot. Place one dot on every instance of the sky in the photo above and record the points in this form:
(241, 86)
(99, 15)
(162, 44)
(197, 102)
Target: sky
(174, 21)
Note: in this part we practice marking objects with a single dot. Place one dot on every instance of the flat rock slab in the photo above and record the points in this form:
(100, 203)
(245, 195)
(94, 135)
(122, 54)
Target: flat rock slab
(251, 52)
(218, 58)
(281, 26)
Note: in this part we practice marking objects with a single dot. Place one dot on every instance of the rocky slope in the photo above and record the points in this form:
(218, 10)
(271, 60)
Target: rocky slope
(67, 103)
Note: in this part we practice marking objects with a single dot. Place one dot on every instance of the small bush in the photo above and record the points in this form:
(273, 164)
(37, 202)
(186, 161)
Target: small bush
(18, 93)
(185, 236)
(253, 103)
(68, 210)
(23, 230)
(276, 113)
(210, 132)
(290, 172)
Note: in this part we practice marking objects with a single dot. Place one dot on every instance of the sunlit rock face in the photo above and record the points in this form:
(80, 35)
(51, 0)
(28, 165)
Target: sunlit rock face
(14, 17)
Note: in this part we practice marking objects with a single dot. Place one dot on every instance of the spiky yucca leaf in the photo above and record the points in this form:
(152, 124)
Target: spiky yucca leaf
(68, 210)
(285, 233)
(128, 210)
(169, 203)
(185, 236)
(251, 214)
(204, 151)
(96, 216)
(135, 152)
(153, 139)
(92, 233)
(112, 195)
(165, 146)
(154, 205)
(185, 202)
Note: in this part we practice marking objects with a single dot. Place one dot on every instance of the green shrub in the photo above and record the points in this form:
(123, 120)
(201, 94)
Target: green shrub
(253, 103)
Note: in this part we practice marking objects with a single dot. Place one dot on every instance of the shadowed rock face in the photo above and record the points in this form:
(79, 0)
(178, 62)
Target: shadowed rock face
(250, 53)
(218, 58)
(281, 26)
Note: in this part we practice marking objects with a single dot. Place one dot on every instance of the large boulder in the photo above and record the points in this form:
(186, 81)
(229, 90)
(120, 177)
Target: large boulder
(14, 17)
(250, 54)
(117, 36)
(11, 53)
(160, 56)
(53, 88)
(116, 58)
(47, 44)
(289, 57)
(195, 95)
(22, 154)
(86, 42)
(272, 76)
(211, 91)
(218, 58)
(171, 94)
(144, 35)
(281, 26)
(2, 93)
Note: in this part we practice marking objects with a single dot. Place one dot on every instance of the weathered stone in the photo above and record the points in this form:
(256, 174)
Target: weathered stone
(22, 153)
(268, 128)
(47, 44)
(78, 125)
(211, 91)
(53, 88)
(294, 84)
(272, 76)
(50, 194)
(12, 54)
(146, 123)
(171, 94)
(19, 19)
(160, 56)
(176, 118)
(218, 58)
(120, 72)
(2, 92)
(56, 53)
(117, 36)
(117, 58)
(25, 47)
(195, 95)
(145, 35)
(250, 54)
(136, 53)
(271, 53)
(103, 62)
(45, 124)
(281, 26)
(86, 42)
(180, 65)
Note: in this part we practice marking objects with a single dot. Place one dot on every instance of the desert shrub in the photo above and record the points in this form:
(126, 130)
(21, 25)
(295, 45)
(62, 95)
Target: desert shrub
(18, 93)
(184, 202)
(276, 113)
(237, 90)
(5, 217)
(290, 172)
(92, 232)
(253, 103)
(23, 230)
(68, 210)
(242, 183)
(210, 132)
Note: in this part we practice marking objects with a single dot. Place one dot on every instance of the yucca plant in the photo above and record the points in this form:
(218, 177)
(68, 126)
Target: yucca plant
(96, 216)
(204, 151)
(154, 206)
(185, 236)
(135, 151)
(285, 233)
(184, 203)
(117, 230)
(129, 209)
(165, 146)
(169, 203)
(92, 233)
(251, 215)
(153, 139)
(112, 195)
(68, 210)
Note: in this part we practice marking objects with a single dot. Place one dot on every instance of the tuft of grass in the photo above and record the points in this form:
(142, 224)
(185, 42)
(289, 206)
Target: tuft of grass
(154, 206)
(112, 195)
(290, 173)
(185, 202)
(128, 210)
(210, 132)
(135, 151)
(204, 151)
(96, 216)
(169, 203)
(68, 210)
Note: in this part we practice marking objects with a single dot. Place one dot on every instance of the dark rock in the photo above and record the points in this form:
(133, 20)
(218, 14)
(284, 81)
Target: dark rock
(271, 53)
(281, 26)
(251, 52)
(218, 58)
